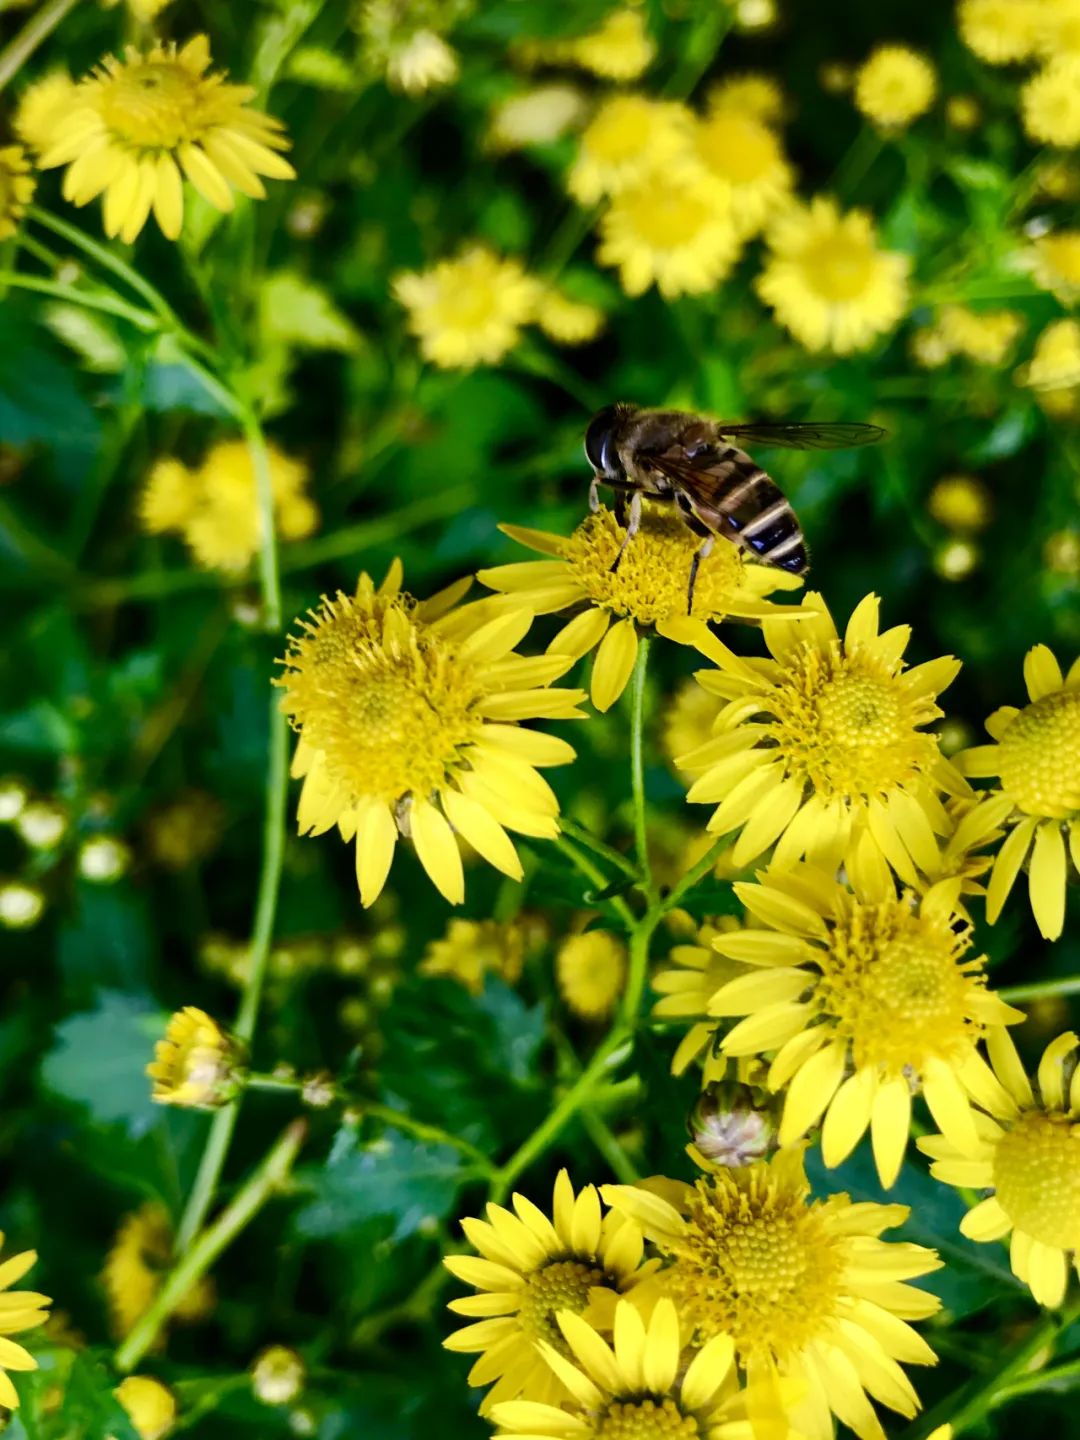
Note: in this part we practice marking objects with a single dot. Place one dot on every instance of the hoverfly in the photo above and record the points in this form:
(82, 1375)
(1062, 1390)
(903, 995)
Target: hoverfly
(685, 460)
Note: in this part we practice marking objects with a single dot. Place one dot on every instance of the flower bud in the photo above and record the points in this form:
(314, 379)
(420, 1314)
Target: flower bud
(21, 906)
(197, 1063)
(731, 1125)
(150, 1405)
(103, 859)
(277, 1375)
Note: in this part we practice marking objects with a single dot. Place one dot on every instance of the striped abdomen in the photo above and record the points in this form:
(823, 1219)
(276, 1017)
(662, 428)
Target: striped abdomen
(759, 514)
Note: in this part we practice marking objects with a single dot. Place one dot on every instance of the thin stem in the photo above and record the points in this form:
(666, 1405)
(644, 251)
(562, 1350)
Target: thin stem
(246, 1204)
(1041, 989)
(861, 154)
(1059, 1377)
(434, 1134)
(204, 1185)
(596, 1127)
(599, 847)
(638, 972)
(637, 758)
(269, 578)
(107, 303)
(37, 29)
(673, 899)
(596, 878)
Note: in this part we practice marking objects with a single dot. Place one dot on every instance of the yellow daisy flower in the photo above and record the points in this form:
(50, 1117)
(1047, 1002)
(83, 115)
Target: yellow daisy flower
(863, 997)
(746, 156)
(629, 138)
(1036, 760)
(535, 117)
(807, 1291)
(529, 1270)
(687, 720)
(689, 978)
(828, 282)
(821, 750)
(1055, 363)
(1027, 1155)
(633, 1387)
(985, 336)
(1000, 31)
(195, 1065)
(1050, 102)
(750, 93)
(590, 970)
(136, 128)
(19, 1310)
(672, 231)
(895, 86)
(40, 107)
(1056, 264)
(17, 186)
(961, 502)
(471, 950)
(648, 589)
(150, 1405)
(408, 718)
(621, 49)
(135, 1266)
(468, 311)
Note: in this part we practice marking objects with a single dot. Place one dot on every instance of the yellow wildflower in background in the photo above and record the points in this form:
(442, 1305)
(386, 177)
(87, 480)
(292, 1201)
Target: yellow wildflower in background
(529, 1271)
(1055, 363)
(535, 117)
(16, 188)
(471, 950)
(863, 997)
(590, 970)
(195, 1064)
(750, 93)
(828, 281)
(1000, 31)
(1056, 264)
(691, 975)
(961, 502)
(421, 63)
(895, 86)
(620, 49)
(277, 1375)
(821, 750)
(215, 507)
(470, 310)
(1035, 758)
(672, 231)
(19, 1310)
(649, 588)
(408, 718)
(150, 1405)
(568, 321)
(806, 1289)
(746, 156)
(40, 107)
(136, 128)
(985, 336)
(687, 720)
(637, 1387)
(1028, 1156)
(137, 1263)
(1050, 102)
(630, 137)
(1058, 29)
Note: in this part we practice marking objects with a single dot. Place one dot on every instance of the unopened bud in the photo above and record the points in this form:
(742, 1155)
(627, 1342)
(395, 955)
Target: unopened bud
(277, 1375)
(150, 1405)
(731, 1126)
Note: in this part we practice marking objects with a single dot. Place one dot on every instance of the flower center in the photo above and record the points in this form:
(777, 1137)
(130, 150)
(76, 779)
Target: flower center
(738, 148)
(1037, 1178)
(1040, 756)
(153, 104)
(839, 267)
(653, 577)
(559, 1285)
(468, 307)
(893, 984)
(641, 1419)
(386, 701)
(667, 219)
(845, 722)
(757, 1263)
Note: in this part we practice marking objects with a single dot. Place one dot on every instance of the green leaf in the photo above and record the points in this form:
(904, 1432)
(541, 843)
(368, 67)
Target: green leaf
(325, 69)
(295, 311)
(99, 1062)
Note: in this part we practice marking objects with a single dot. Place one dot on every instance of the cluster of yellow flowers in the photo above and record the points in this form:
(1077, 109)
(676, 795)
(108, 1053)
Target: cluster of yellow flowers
(1046, 32)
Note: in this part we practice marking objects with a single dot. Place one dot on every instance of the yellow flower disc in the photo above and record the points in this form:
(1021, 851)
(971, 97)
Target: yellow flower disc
(1039, 756)
(557, 1285)
(1037, 1177)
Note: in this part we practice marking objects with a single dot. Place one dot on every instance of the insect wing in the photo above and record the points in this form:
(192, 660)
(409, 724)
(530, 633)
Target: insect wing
(806, 435)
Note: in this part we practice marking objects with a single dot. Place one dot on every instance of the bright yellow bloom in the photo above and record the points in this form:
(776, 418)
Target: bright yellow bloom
(529, 1271)
(828, 282)
(135, 128)
(631, 1390)
(621, 49)
(16, 188)
(1027, 1155)
(468, 311)
(195, 1065)
(423, 62)
(895, 86)
(1036, 759)
(672, 231)
(750, 93)
(1058, 29)
(41, 106)
(535, 117)
(746, 156)
(1000, 31)
(150, 1405)
(629, 138)
(590, 970)
(862, 997)
(687, 720)
(19, 1310)
(408, 718)
(1055, 364)
(568, 321)
(215, 507)
(137, 1264)
(648, 589)
(471, 950)
(821, 750)
(1050, 102)
(806, 1290)
(961, 502)
(691, 976)
(985, 336)
(1057, 264)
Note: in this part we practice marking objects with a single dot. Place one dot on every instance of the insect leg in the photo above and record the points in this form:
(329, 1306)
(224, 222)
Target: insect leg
(699, 528)
(633, 524)
(701, 553)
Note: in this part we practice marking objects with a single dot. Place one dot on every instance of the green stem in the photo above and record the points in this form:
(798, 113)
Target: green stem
(37, 29)
(599, 847)
(434, 1134)
(269, 578)
(206, 1177)
(245, 1205)
(1041, 989)
(638, 972)
(637, 758)
(596, 1127)
(860, 156)
(1059, 1378)
(108, 304)
(596, 878)
(673, 899)
(699, 51)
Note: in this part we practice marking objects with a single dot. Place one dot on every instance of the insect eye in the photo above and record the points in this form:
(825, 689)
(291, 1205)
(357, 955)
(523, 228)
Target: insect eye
(599, 441)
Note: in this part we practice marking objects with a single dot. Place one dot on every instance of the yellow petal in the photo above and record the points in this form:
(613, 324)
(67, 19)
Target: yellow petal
(614, 664)
(890, 1124)
(1046, 879)
(985, 1221)
(582, 634)
(1007, 866)
(811, 1089)
(661, 1359)
(848, 1116)
(437, 850)
(1042, 673)
(483, 832)
(950, 1107)
(376, 836)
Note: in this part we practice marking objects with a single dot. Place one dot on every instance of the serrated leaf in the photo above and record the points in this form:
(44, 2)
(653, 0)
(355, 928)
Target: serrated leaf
(99, 1062)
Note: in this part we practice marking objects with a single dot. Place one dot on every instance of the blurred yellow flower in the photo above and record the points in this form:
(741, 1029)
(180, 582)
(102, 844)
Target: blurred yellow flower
(1050, 102)
(150, 1405)
(16, 188)
(629, 137)
(471, 950)
(862, 997)
(828, 281)
(136, 127)
(1058, 28)
(41, 105)
(1027, 1154)
(961, 502)
(195, 1064)
(529, 1271)
(742, 152)
(955, 559)
(963, 112)
(19, 1310)
(421, 63)
(136, 1265)
(468, 311)
(895, 86)
(590, 970)
(648, 588)
(691, 975)
(277, 1375)
(1056, 264)
(671, 232)
(985, 336)
(811, 1296)
(1035, 758)
(688, 719)
(1055, 363)
(621, 49)
(408, 718)
(215, 507)
(750, 93)
(535, 117)
(568, 321)
(1000, 31)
